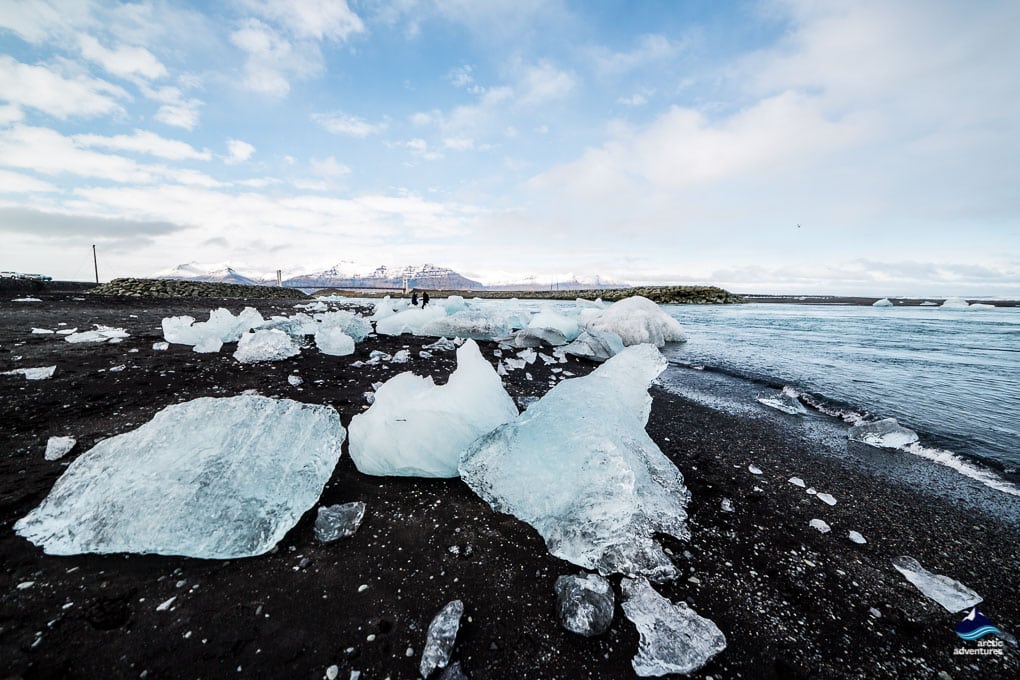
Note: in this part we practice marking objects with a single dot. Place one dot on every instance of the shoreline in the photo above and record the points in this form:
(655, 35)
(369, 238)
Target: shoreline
(792, 602)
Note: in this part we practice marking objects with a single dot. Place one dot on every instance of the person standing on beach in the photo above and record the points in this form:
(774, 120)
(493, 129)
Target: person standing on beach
(414, 299)
(424, 300)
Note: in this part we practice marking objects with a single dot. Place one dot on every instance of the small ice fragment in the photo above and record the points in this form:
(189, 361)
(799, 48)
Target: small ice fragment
(856, 537)
(810, 491)
(754, 469)
(265, 345)
(363, 587)
(787, 401)
(338, 521)
(166, 605)
(41, 331)
(58, 447)
(441, 345)
(674, 639)
(118, 368)
(952, 595)
(25, 585)
(727, 505)
(67, 331)
(41, 373)
(439, 640)
(826, 498)
(26, 299)
(161, 346)
(797, 481)
(100, 334)
(528, 355)
(882, 434)
(401, 357)
(424, 355)
(295, 380)
(333, 672)
(820, 525)
(585, 603)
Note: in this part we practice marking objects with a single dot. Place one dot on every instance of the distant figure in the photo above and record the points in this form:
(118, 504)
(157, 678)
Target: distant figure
(414, 298)
(424, 300)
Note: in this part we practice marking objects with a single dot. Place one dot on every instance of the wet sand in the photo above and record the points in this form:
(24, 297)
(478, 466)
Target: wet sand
(792, 602)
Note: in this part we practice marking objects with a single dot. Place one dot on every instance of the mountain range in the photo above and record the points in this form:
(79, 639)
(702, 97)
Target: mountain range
(345, 275)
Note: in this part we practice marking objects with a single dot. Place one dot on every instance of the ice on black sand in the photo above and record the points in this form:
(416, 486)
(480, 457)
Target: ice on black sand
(338, 521)
(441, 636)
(585, 603)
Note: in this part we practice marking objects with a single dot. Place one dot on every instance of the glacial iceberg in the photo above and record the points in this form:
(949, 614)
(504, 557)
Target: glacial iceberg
(882, 434)
(884, 302)
(952, 595)
(469, 323)
(265, 345)
(674, 638)
(638, 320)
(407, 321)
(553, 328)
(350, 323)
(209, 336)
(580, 468)
(333, 341)
(416, 428)
(955, 303)
(214, 478)
(595, 345)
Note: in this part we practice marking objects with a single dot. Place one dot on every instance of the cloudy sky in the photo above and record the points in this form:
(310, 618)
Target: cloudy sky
(766, 146)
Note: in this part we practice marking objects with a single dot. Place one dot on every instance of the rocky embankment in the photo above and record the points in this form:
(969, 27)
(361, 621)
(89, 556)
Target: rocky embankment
(177, 288)
(705, 295)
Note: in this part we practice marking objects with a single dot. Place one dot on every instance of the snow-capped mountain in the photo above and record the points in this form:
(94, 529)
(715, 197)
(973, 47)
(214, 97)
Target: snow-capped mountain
(192, 271)
(425, 276)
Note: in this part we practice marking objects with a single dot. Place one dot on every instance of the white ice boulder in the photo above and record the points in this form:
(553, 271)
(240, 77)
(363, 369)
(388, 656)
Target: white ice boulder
(454, 304)
(100, 334)
(638, 320)
(221, 327)
(265, 345)
(333, 341)
(408, 321)
(882, 434)
(955, 303)
(580, 468)
(553, 328)
(884, 302)
(595, 345)
(470, 323)
(214, 478)
(416, 428)
(951, 594)
(297, 326)
(383, 308)
(58, 447)
(673, 637)
(350, 323)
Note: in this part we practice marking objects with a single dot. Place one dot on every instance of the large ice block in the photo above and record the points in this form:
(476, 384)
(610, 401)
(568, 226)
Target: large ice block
(580, 468)
(585, 603)
(265, 345)
(882, 434)
(638, 320)
(333, 341)
(477, 324)
(674, 638)
(952, 595)
(416, 428)
(212, 478)
(350, 323)
(595, 345)
(408, 321)
(222, 326)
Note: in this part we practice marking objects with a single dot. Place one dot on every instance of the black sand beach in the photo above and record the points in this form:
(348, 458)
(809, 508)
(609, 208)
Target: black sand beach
(792, 602)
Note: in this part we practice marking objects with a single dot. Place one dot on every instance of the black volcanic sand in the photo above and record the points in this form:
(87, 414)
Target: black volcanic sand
(791, 601)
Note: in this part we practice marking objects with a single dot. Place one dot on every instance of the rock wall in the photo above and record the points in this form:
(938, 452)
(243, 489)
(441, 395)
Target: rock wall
(177, 288)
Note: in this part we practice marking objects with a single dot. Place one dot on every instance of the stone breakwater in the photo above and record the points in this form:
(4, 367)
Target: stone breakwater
(178, 288)
(678, 295)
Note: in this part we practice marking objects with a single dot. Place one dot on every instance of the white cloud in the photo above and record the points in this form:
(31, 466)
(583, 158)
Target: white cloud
(329, 167)
(43, 89)
(462, 76)
(650, 49)
(143, 141)
(10, 113)
(123, 62)
(176, 109)
(459, 143)
(635, 100)
(16, 183)
(238, 151)
(340, 123)
(315, 19)
(543, 82)
(37, 21)
(272, 59)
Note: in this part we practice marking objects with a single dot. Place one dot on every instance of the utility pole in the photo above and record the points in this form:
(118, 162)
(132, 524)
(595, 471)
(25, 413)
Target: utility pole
(95, 262)
(279, 278)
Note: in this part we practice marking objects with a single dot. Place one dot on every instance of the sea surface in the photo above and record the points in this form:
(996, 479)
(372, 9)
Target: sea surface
(953, 376)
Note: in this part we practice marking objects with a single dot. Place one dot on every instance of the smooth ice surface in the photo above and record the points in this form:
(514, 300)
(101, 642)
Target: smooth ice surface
(580, 468)
(265, 345)
(555, 328)
(883, 434)
(333, 341)
(408, 321)
(796, 481)
(595, 345)
(952, 595)
(40, 373)
(820, 525)
(351, 324)
(674, 638)
(221, 327)
(826, 498)
(58, 447)
(884, 302)
(787, 401)
(100, 334)
(639, 320)
(468, 323)
(585, 603)
(338, 521)
(416, 428)
(441, 635)
(210, 478)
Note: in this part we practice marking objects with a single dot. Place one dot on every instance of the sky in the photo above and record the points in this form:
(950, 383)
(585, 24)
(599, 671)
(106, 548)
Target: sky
(770, 146)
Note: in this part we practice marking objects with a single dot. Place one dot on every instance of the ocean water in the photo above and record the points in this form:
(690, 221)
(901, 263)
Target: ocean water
(953, 376)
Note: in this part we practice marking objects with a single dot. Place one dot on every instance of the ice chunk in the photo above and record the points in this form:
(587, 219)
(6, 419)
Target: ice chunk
(58, 447)
(952, 595)
(796, 481)
(786, 401)
(528, 356)
(222, 326)
(265, 345)
(674, 639)
(955, 303)
(410, 321)
(882, 434)
(350, 323)
(214, 478)
(383, 309)
(67, 331)
(595, 345)
(333, 341)
(585, 603)
(441, 635)
(401, 356)
(338, 521)
(161, 346)
(856, 537)
(553, 328)
(471, 323)
(208, 345)
(441, 345)
(638, 320)
(826, 498)
(884, 302)
(453, 672)
(26, 299)
(40, 373)
(295, 380)
(820, 525)
(754, 469)
(726, 505)
(100, 334)
(419, 429)
(454, 304)
(41, 331)
(580, 468)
